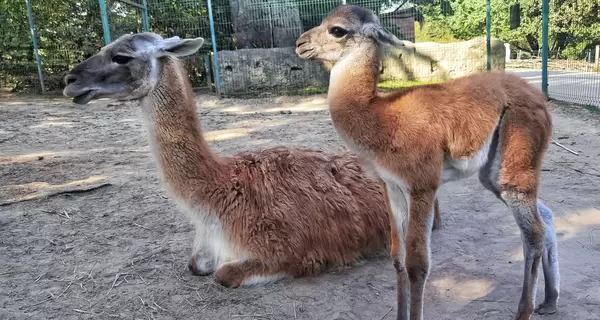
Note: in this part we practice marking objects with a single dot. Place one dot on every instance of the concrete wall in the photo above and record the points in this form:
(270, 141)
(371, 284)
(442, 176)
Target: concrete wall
(280, 68)
(268, 69)
(265, 24)
(430, 60)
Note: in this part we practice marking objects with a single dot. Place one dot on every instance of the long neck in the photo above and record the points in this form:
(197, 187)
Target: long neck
(354, 79)
(352, 92)
(183, 155)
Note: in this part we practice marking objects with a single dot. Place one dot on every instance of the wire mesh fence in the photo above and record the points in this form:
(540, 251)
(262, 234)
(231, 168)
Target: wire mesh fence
(255, 40)
(260, 35)
(65, 33)
(124, 17)
(17, 64)
(572, 77)
(575, 77)
(187, 18)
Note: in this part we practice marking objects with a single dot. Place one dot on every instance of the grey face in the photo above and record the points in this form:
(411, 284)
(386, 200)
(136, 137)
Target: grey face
(343, 30)
(125, 69)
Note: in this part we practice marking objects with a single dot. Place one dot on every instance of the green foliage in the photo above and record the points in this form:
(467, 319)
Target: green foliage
(69, 31)
(576, 51)
(434, 31)
(574, 27)
(189, 18)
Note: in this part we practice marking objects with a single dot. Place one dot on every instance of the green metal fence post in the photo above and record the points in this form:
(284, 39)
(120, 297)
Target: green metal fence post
(35, 46)
(545, 13)
(213, 38)
(145, 20)
(488, 34)
(105, 27)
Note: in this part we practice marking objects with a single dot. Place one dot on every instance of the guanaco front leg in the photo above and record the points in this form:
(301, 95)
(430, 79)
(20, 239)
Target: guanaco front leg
(410, 253)
(397, 204)
(417, 247)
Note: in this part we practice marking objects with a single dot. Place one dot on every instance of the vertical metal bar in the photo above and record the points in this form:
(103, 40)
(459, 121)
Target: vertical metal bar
(214, 47)
(488, 34)
(145, 20)
(597, 58)
(271, 28)
(207, 70)
(545, 14)
(35, 46)
(105, 27)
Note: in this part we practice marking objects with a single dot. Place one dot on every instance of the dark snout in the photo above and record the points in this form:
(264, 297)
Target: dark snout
(74, 89)
(70, 79)
(77, 82)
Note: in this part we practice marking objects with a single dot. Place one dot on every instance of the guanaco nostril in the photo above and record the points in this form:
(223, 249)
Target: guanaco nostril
(300, 42)
(70, 78)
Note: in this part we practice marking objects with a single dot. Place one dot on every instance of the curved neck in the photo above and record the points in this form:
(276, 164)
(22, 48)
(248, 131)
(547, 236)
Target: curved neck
(183, 155)
(353, 79)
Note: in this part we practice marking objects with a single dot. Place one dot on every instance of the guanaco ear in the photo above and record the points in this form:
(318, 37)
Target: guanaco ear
(379, 33)
(179, 48)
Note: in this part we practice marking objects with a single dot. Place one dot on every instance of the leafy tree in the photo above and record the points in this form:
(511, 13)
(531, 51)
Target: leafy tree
(67, 32)
(574, 24)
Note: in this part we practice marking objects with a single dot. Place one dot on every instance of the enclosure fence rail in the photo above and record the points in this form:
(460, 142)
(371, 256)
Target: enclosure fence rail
(35, 45)
(545, 13)
(105, 27)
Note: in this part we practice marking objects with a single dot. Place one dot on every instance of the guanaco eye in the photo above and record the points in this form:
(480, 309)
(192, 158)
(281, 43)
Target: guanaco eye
(121, 59)
(338, 32)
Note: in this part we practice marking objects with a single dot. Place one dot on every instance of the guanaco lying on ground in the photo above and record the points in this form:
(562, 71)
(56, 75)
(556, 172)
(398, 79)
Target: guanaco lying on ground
(493, 124)
(258, 216)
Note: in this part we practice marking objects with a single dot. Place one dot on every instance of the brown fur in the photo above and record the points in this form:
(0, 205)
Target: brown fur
(269, 214)
(415, 138)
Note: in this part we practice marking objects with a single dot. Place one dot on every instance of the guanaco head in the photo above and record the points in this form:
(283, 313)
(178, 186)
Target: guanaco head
(125, 69)
(345, 29)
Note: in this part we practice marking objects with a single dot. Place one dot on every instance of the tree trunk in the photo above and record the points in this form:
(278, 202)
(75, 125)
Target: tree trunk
(533, 43)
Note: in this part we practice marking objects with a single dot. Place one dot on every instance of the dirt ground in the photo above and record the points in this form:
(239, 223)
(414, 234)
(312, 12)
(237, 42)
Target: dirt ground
(120, 251)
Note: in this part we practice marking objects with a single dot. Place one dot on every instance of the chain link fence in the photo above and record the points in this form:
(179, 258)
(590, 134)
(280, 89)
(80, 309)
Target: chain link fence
(259, 57)
(255, 39)
(17, 63)
(65, 32)
(572, 77)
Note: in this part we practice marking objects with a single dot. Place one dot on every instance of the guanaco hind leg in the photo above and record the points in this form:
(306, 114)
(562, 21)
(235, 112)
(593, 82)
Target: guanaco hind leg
(549, 263)
(437, 219)
(512, 174)
(549, 254)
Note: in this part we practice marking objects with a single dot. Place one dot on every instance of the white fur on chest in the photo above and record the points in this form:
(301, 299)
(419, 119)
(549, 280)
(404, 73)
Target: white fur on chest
(210, 238)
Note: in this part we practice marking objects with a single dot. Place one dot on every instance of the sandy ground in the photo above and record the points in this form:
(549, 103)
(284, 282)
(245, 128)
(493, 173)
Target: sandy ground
(120, 251)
